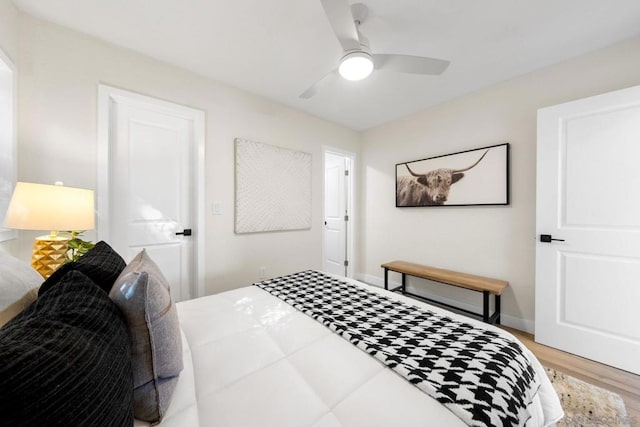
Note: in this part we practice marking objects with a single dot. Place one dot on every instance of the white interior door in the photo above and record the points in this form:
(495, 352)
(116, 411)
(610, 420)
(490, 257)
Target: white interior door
(335, 214)
(588, 195)
(152, 187)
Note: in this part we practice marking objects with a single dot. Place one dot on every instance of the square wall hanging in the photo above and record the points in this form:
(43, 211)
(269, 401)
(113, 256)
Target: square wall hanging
(273, 188)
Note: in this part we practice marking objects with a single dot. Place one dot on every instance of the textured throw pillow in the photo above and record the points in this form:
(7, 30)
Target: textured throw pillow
(142, 294)
(101, 264)
(16, 279)
(65, 360)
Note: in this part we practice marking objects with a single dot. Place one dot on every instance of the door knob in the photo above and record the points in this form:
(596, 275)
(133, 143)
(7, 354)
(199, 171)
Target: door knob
(186, 232)
(546, 238)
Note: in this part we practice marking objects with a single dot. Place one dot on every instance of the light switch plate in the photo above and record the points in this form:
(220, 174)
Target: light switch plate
(217, 208)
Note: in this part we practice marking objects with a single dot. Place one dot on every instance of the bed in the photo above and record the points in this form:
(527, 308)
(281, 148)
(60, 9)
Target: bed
(252, 359)
(306, 349)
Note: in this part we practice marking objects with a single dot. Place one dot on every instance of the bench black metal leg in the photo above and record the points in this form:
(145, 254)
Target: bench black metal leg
(386, 279)
(485, 306)
(497, 309)
(404, 283)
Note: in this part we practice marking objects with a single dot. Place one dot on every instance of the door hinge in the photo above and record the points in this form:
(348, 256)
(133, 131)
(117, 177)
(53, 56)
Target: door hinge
(346, 172)
(346, 263)
(346, 217)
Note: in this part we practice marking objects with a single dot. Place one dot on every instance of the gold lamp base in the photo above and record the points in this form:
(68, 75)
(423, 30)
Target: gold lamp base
(49, 253)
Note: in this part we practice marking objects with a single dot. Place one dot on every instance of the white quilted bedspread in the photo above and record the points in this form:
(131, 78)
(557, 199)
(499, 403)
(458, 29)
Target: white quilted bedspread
(250, 359)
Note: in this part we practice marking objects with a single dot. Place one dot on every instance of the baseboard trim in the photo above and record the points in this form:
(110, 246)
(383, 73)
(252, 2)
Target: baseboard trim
(506, 319)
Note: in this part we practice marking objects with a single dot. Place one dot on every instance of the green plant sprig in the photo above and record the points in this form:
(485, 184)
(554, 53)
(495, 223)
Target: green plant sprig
(77, 247)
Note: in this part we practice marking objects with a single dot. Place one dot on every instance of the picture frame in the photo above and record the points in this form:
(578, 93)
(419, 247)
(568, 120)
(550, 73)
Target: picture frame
(476, 177)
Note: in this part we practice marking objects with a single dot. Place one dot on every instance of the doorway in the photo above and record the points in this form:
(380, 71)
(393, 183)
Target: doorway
(337, 248)
(150, 184)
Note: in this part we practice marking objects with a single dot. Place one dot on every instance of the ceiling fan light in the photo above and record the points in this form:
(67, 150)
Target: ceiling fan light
(356, 66)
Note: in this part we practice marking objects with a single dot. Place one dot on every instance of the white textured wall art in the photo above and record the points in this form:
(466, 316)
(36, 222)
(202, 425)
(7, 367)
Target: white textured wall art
(273, 188)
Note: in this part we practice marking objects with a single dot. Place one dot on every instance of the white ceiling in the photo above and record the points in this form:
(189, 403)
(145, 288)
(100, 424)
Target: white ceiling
(278, 48)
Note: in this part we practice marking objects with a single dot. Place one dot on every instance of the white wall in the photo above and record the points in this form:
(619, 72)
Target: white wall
(492, 241)
(9, 18)
(57, 131)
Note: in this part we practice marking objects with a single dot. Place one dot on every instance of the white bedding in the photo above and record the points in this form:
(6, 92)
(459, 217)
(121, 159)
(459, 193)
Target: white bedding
(250, 359)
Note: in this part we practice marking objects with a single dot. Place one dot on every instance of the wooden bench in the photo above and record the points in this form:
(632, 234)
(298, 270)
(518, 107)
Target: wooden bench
(468, 281)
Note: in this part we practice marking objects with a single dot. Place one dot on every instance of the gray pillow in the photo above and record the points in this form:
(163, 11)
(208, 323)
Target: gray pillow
(18, 307)
(142, 294)
(17, 280)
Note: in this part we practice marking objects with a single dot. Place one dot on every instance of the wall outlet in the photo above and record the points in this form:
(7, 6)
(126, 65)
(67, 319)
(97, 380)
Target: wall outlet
(262, 273)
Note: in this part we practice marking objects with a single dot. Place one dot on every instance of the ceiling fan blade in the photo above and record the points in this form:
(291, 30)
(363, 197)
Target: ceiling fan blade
(410, 64)
(341, 20)
(326, 80)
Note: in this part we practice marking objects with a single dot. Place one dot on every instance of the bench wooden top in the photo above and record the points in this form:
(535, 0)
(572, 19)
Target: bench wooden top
(464, 280)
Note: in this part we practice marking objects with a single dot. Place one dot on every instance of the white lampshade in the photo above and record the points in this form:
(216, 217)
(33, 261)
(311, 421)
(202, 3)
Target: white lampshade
(356, 66)
(50, 207)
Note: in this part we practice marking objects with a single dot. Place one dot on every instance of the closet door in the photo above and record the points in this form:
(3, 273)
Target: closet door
(588, 228)
(151, 186)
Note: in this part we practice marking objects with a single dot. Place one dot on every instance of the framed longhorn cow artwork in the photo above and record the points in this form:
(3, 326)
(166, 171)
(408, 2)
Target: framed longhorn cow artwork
(467, 178)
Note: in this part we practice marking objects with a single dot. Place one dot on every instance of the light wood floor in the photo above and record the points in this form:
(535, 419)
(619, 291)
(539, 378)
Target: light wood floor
(624, 383)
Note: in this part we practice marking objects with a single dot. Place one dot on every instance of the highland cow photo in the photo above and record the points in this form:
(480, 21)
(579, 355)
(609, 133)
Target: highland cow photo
(467, 178)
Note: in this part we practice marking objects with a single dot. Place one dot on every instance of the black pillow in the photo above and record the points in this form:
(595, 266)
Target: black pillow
(102, 264)
(65, 360)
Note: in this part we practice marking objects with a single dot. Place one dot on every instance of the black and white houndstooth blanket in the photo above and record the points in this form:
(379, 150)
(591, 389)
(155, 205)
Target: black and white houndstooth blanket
(481, 376)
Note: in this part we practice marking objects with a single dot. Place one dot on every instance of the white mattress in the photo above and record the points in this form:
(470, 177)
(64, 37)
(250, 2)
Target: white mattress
(250, 359)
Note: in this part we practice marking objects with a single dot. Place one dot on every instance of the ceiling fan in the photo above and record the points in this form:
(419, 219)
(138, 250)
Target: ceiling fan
(357, 60)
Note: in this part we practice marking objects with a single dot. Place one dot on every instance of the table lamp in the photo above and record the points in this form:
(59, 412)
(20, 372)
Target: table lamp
(50, 207)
